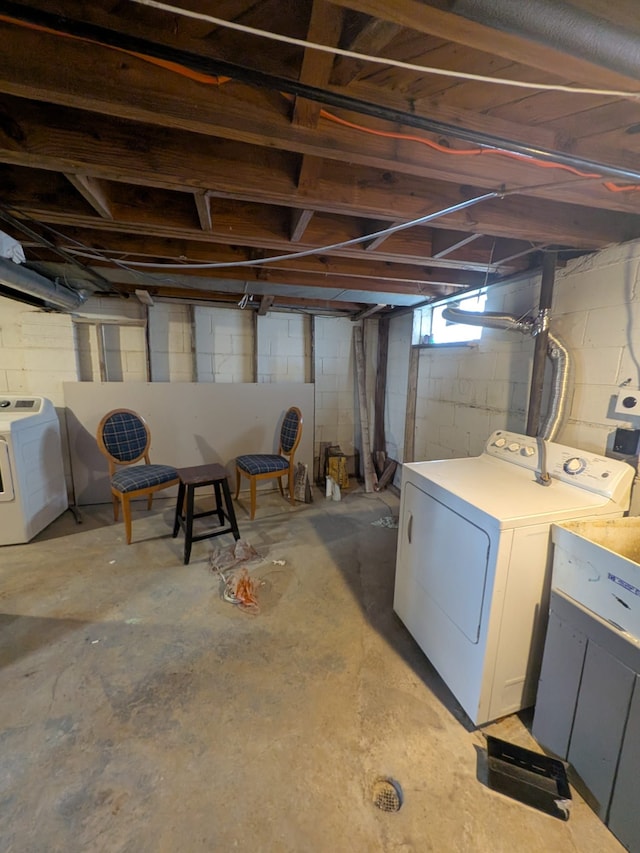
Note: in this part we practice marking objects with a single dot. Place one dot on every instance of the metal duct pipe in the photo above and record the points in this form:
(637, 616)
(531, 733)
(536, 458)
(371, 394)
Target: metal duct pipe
(562, 377)
(557, 352)
(490, 320)
(561, 26)
(33, 284)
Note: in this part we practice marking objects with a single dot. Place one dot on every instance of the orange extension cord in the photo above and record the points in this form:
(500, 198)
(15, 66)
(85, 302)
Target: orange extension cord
(207, 79)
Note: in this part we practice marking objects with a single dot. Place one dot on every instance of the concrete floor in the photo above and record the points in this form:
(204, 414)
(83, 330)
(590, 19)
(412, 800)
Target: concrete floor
(141, 712)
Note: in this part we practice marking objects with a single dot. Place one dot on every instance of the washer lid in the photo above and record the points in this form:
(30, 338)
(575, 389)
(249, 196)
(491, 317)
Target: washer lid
(498, 492)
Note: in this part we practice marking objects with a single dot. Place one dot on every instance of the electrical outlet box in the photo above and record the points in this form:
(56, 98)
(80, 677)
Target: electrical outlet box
(628, 403)
(626, 441)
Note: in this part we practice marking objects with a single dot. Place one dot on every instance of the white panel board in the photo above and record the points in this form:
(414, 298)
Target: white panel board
(190, 423)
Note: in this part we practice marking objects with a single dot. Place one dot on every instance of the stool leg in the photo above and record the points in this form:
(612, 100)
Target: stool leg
(219, 508)
(231, 515)
(179, 510)
(188, 525)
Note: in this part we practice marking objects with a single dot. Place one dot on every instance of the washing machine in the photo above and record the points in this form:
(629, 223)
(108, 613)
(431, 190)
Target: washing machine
(32, 483)
(474, 559)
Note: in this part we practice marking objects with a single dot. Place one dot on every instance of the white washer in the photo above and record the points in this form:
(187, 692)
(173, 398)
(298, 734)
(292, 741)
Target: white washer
(473, 563)
(32, 484)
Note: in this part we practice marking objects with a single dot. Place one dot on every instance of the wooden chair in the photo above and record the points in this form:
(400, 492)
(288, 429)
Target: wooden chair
(124, 438)
(266, 466)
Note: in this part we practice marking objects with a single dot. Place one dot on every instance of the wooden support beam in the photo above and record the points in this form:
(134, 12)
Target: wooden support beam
(367, 312)
(93, 192)
(299, 221)
(373, 245)
(379, 441)
(265, 304)
(371, 39)
(64, 73)
(458, 244)
(431, 18)
(410, 415)
(367, 461)
(203, 206)
(325, 26)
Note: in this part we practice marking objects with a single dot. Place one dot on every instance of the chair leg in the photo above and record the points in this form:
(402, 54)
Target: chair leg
(237, 482)
(126, 513)
(116, 506)
(252, 481)
(150, 500)
(280, 485)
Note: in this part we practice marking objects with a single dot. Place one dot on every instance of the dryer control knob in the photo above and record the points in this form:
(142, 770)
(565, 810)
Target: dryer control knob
(527, 451)
(574, 465)
(500, 442)
(513, 447)
(4, 404)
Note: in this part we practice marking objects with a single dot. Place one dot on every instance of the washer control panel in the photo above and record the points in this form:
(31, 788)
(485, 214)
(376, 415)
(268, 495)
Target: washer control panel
(575, 467)
(521, 449)
(13, 405)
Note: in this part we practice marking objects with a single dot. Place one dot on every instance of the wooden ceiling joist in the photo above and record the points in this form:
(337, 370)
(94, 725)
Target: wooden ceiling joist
(93, 192)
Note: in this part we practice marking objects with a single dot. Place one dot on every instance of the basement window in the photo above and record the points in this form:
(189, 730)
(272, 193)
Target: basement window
(431, 329)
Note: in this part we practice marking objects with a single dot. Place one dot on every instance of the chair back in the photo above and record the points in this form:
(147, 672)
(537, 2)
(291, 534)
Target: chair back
(124, 437)
(291, 431)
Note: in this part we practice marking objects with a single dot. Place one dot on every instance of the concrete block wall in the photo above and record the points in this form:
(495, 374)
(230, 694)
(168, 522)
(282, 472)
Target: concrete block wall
(170, 342)
(37, 351)
(224, 345)
(596, 311)
(124, 345)
(464, 393)
(336, 398)
(467, 391)
(283, 348)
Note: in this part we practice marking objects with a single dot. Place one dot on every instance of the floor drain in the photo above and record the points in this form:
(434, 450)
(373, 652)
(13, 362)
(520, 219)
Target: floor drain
(387, 795)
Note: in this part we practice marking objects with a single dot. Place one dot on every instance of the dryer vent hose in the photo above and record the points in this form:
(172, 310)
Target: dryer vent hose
(557, 352)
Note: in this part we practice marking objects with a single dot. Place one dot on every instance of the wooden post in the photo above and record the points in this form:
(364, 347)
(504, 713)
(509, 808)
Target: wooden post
(379, 442)
(410, 417)
(369, 474)
(542, 338)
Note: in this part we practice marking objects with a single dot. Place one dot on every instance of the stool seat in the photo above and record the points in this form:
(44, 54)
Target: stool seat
(192, 478)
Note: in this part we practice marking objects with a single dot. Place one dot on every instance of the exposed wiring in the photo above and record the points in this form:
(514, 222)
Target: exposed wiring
(174, 67)
(394, 63)
(393, 229)
(216, 80)
(463, 152)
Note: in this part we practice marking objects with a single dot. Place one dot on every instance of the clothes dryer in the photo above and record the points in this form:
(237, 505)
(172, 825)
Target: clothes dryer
(473, 562)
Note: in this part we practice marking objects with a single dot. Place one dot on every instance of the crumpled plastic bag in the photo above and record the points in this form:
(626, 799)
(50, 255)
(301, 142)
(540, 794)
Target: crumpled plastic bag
(11, 249)
(222, 559)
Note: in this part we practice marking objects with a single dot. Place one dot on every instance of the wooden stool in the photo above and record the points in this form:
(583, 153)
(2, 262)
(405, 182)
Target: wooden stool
(191, 479)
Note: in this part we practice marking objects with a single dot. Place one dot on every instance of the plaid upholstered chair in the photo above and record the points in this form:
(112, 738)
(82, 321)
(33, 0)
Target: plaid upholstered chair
(124, 438)
(267, 466)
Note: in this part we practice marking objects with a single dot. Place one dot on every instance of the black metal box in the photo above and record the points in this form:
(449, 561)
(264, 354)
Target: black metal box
(528, 776)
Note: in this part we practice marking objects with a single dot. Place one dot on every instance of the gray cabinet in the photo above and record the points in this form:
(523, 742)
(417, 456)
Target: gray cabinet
(588, 710)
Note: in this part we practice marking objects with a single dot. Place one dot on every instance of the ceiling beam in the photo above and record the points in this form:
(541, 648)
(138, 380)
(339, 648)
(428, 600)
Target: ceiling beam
(341, 188)
(363, 270)
(63, 73)
(372, 37)
(204, 210)
(325, 26)
(299, 221)
(93, 192)
(163, 291)
(265, 304)
(368, 312)
(433, 19)
(460, 243)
